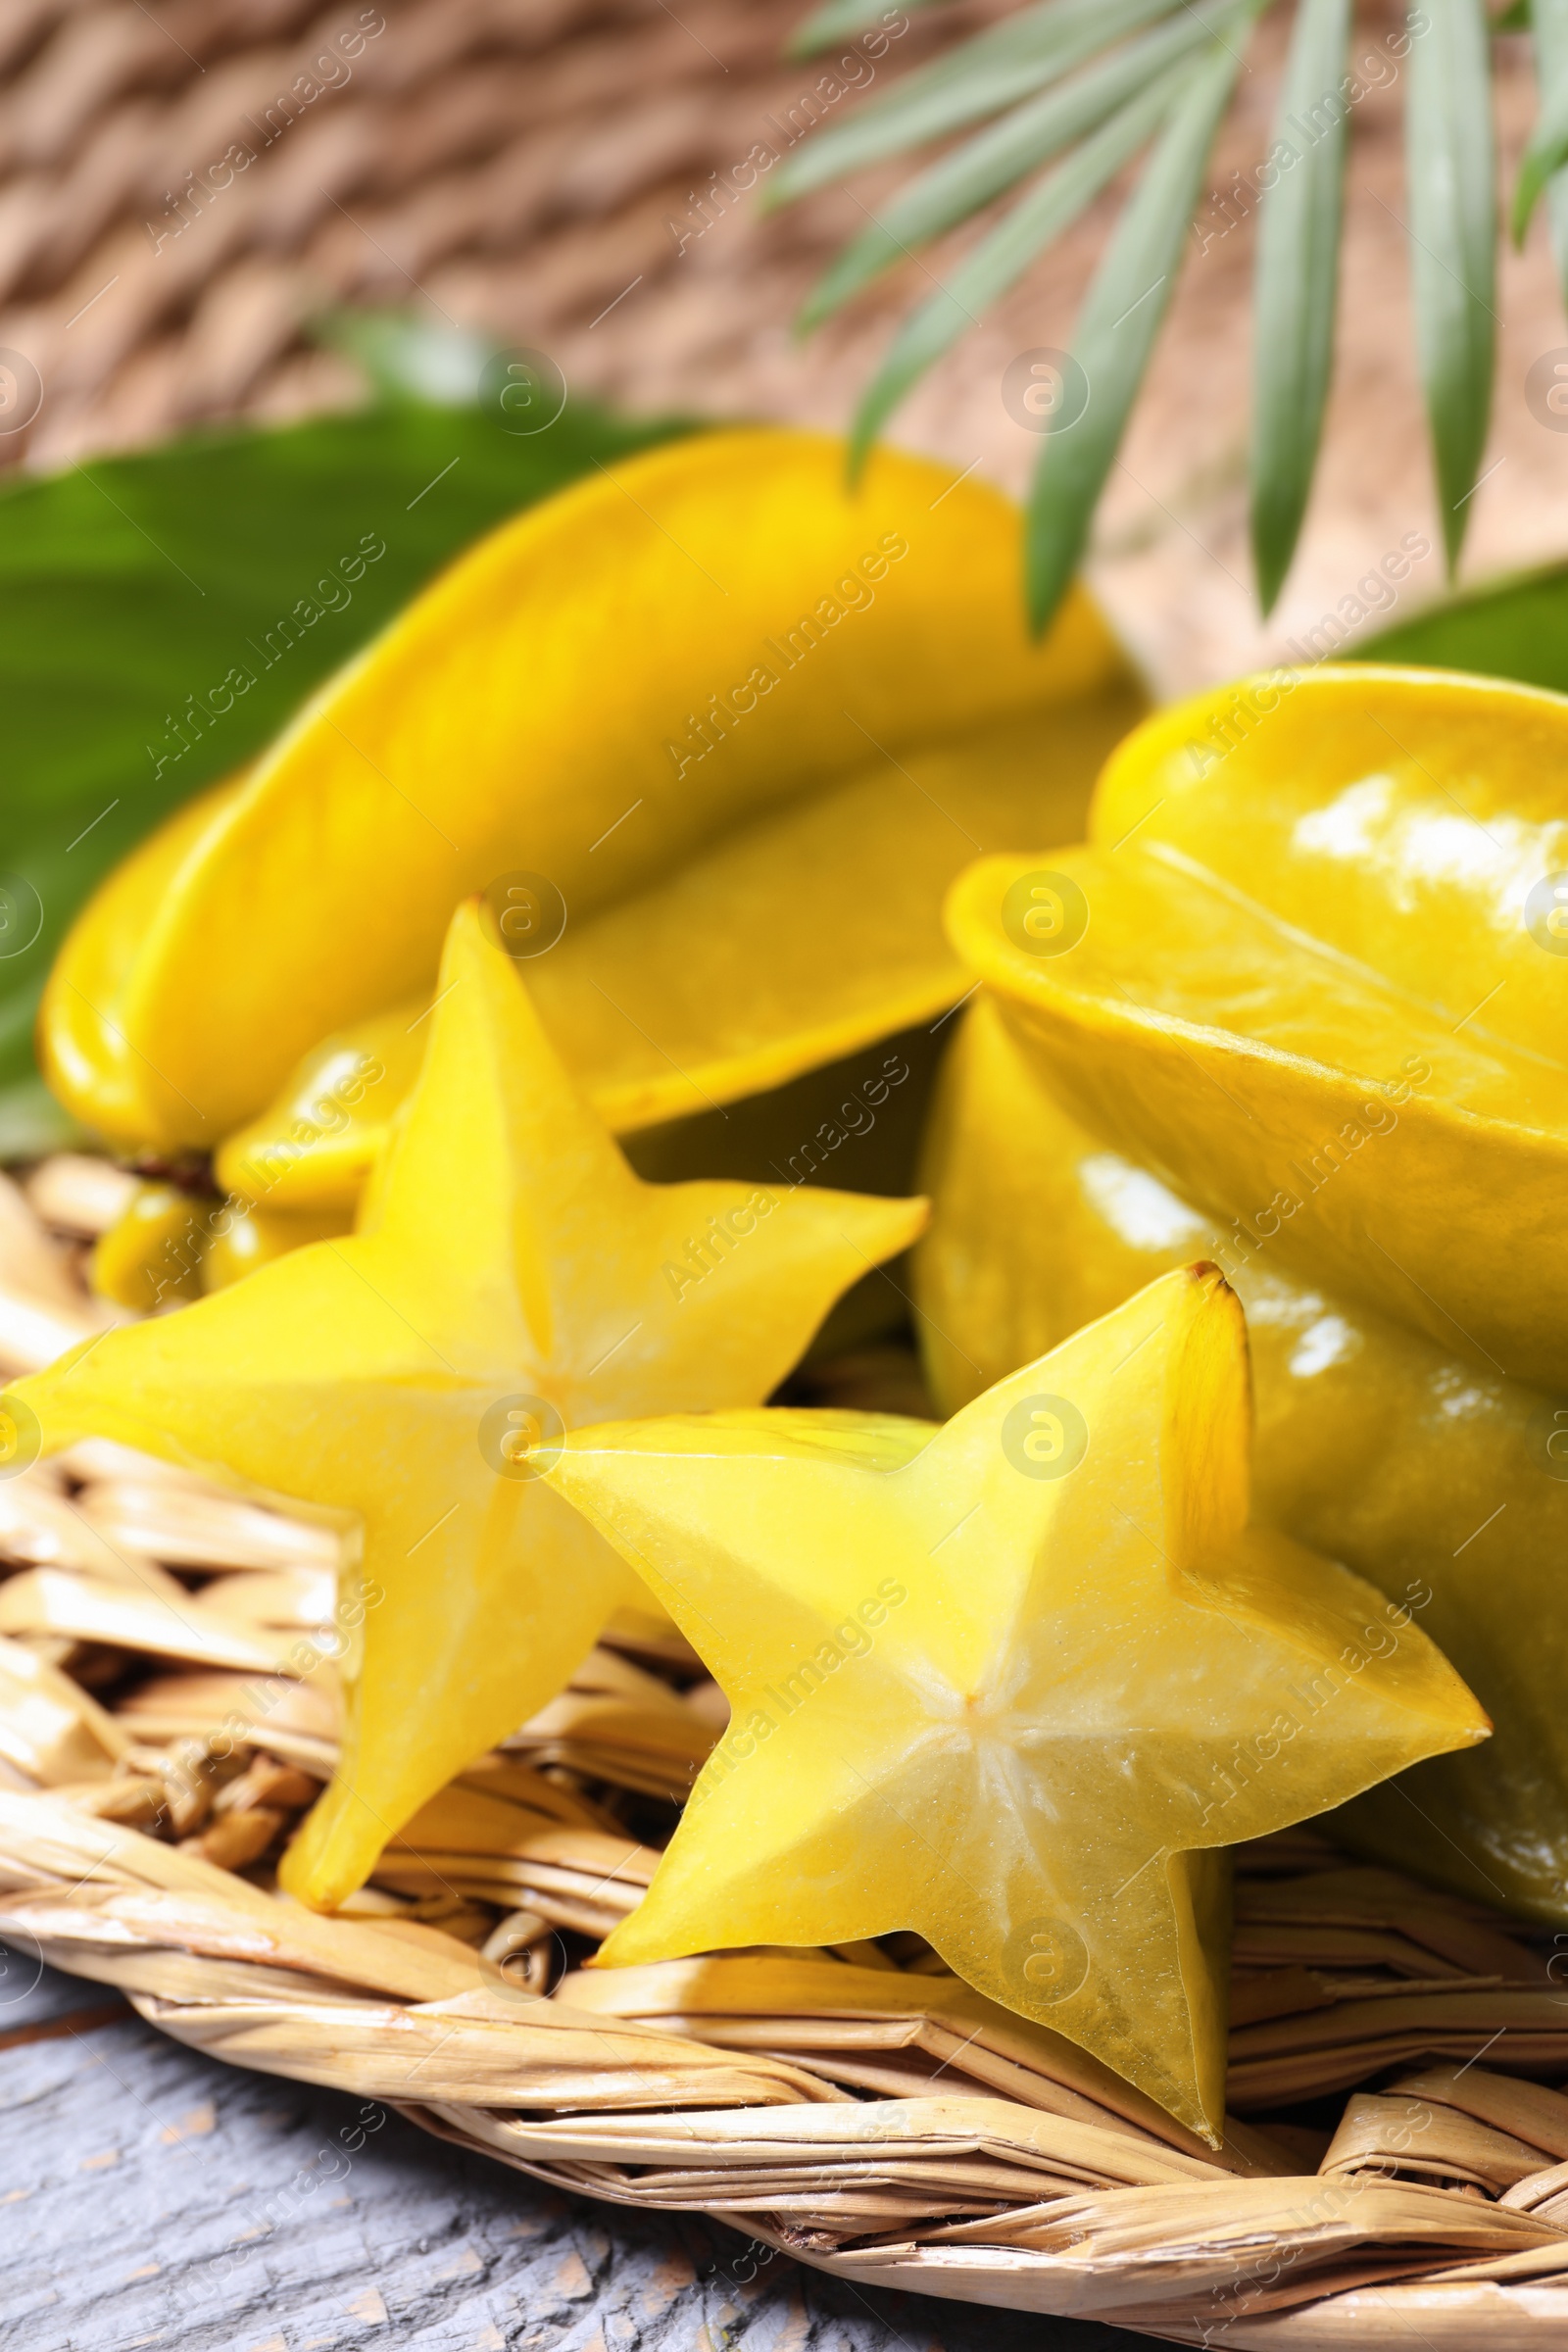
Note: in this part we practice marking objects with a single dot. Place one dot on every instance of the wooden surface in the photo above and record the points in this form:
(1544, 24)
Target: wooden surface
(150, 2197)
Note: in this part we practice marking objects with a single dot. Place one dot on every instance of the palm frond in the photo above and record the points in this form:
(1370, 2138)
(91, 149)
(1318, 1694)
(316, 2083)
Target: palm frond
(1547, 150)
(1007, 252)
(1116, 328)
(1451, 181)
(988, 74)
(1072, 90)
(986, 166)
(841, 20)
(1297, 280)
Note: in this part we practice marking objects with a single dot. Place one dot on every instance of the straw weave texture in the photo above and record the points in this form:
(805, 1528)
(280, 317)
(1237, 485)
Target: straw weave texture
(1396, 2156)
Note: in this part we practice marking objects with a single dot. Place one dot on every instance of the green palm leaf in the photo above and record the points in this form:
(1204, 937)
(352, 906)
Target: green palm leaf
(1450, 175)
(1007, 253)
(988, 164)
(987, 74)
(841, 20)
(1116, 329)
(1076, 86)
(1547, 150)
(1557, 223)
(1297, 280)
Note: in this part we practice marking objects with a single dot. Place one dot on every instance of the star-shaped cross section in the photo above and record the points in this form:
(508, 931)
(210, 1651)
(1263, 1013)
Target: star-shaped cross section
(1013, 1682)
(510, 1279)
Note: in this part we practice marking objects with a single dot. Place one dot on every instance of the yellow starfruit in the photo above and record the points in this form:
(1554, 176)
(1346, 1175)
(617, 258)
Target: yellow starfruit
(1294, 1008)
(1012, 1683)
(152, 1255)
(511, 1278)
(714, 730)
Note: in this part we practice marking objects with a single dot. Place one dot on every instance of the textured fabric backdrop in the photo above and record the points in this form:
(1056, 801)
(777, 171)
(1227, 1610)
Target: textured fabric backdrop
(530, 168)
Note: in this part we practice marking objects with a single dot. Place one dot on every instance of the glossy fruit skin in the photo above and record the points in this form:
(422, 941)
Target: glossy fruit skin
(748, 725)
(1153, 1090)
(726, 713)
(1016, 1683)
(508, 1276)
(152, 1256)
(1274, 952)
(243, 1240)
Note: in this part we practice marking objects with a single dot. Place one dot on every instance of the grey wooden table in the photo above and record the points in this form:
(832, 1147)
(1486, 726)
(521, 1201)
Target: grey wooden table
(149, 2196)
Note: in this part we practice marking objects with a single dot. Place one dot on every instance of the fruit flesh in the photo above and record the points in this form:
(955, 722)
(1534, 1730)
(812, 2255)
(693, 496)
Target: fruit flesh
(1013, 1683)
(509, 1275)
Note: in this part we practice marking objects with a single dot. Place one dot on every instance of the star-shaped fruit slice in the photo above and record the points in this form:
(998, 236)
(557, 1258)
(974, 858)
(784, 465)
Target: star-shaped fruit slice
(510, 1279)
(1013, 1682)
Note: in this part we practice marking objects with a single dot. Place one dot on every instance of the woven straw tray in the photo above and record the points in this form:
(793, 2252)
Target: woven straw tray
(1395, 2165)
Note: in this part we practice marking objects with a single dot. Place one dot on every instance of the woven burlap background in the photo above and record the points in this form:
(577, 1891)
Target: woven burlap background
(528, 168)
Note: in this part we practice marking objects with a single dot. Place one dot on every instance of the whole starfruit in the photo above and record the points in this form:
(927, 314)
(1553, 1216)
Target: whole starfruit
(713, 732)
(1299, 1006)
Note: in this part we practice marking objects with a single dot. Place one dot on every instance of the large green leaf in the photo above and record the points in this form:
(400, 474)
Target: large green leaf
(130, 588)
(1514, 628)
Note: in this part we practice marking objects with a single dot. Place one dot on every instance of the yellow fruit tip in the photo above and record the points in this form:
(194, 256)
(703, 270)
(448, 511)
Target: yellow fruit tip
(1207, 1276)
